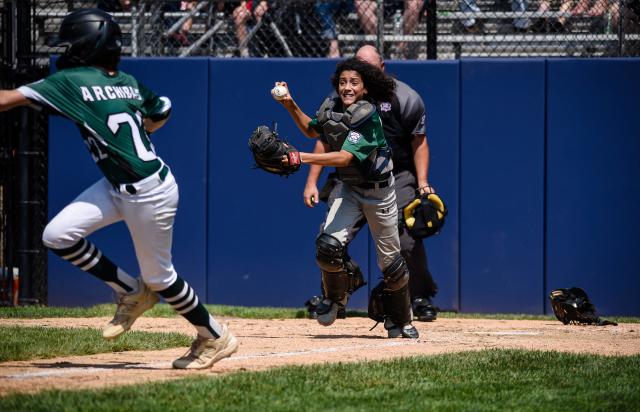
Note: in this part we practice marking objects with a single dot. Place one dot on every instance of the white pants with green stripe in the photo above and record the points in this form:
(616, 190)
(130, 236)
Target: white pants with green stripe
(347, 206)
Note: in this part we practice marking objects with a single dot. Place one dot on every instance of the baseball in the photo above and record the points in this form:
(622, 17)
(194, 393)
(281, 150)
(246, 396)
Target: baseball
(279, 92)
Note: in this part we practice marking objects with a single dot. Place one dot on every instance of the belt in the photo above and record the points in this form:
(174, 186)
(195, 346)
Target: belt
(145, 184)
(376, 185)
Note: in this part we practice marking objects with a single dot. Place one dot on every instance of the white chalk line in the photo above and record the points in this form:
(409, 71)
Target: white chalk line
(511, 332)
(167, 365)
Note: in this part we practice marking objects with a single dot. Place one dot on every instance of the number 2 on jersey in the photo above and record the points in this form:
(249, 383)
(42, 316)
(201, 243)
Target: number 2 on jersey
(115, 121)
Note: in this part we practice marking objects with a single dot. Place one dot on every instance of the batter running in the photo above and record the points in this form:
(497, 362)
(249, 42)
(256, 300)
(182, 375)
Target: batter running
(114, 113)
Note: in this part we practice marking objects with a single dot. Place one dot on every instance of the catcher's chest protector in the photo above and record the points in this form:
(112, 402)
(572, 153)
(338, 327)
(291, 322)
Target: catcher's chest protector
(336, 126)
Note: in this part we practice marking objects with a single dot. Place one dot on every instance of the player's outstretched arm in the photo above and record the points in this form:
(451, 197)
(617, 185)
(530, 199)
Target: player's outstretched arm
(299, 117)
(11, 98)
(336, 159)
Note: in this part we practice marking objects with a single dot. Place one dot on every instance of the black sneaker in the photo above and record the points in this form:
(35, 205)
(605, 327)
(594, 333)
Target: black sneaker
(394, 331)
(312, 306)
(423, 310)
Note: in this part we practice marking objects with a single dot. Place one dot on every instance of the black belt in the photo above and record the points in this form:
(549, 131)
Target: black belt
(376, 185)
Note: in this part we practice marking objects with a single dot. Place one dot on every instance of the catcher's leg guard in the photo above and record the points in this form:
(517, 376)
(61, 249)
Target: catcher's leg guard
(356, 278)
(395, 296)
(330, 256)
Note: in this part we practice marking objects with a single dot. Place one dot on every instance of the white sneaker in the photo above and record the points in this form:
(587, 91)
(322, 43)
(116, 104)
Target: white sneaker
(204, 352)
(130, 307)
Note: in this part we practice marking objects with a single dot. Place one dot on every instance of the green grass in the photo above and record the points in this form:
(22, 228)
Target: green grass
(165, 311)
(159, 311)
(23, 343)
(494, 380)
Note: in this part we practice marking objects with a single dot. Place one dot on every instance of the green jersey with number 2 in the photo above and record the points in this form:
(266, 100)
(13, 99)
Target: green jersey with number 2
(109, 110)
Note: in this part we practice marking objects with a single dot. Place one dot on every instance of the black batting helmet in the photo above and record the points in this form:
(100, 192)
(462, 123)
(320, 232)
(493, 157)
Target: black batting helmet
(91, 37)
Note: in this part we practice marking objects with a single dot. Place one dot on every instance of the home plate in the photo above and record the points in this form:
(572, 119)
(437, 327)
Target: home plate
(511, 332)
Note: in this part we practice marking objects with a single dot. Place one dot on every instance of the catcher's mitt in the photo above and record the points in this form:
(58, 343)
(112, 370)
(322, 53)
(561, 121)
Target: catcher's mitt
(273, 154)
(572, 305)
(424, 216)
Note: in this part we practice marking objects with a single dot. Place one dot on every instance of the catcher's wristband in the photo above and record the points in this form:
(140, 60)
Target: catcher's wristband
(294, 158)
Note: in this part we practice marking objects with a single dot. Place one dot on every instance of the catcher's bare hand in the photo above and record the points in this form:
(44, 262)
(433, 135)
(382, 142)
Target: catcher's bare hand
(311, 195)
(425, 189)
(286, 99)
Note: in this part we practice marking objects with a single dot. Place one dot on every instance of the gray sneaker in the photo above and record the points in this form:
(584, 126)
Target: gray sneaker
(327, 312)
(204, 352)
(395, 331)
(130, 307)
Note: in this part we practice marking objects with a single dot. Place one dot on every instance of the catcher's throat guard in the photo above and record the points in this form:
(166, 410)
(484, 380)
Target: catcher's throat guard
(424, 216)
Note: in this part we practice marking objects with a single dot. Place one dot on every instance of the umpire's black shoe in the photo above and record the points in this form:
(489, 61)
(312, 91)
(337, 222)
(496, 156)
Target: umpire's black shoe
(423, 310)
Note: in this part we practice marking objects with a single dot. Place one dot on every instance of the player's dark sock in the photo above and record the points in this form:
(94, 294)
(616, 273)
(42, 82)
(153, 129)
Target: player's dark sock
(86, 256)
(184, 300)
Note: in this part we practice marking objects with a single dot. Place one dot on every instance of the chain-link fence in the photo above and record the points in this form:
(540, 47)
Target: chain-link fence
(402, 29)
(23, 165)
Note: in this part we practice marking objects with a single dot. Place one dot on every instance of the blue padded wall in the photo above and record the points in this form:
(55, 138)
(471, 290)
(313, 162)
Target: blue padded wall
(593, 185)
(502, 177)
(437, 83)
(520, 150)
(261, 236)
(182, 145)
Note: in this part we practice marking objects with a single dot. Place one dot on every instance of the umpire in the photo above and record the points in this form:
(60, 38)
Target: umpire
(403, 120)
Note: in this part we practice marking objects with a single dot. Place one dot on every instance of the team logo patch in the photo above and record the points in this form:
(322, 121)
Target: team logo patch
(385, 106)
(353, 137)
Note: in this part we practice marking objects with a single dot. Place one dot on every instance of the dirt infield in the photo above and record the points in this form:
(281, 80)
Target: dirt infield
(271, 343)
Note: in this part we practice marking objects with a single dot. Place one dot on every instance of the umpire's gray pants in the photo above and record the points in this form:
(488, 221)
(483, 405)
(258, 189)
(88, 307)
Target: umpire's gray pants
(348, 205)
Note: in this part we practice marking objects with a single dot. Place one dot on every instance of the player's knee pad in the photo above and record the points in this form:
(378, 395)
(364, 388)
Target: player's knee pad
(396, 275)
(330, 254)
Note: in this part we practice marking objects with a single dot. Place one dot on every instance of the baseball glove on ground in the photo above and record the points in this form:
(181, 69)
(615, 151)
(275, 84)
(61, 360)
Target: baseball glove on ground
(424, 216)
(572, 305)
(273, 154)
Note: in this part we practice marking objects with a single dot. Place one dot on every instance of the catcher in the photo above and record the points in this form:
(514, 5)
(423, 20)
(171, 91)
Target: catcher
(350, 130)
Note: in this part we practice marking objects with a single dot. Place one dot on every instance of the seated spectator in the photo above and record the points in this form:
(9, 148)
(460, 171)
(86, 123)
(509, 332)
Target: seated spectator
(247, 10)
(114, 5)
(471, 26)
(553, 25)
(181, 36)
(367, 13)
(326, 10)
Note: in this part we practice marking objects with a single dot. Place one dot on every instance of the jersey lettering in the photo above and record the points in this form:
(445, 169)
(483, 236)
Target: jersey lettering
(86, 94)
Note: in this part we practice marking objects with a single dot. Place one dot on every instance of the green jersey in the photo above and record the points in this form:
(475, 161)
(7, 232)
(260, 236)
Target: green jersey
(360, 141)
(109, 111)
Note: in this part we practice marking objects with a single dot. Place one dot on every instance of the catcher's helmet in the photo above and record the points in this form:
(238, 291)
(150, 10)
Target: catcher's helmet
(91, 37)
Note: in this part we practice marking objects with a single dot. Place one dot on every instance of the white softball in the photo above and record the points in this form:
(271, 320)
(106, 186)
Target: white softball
(279, 92)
